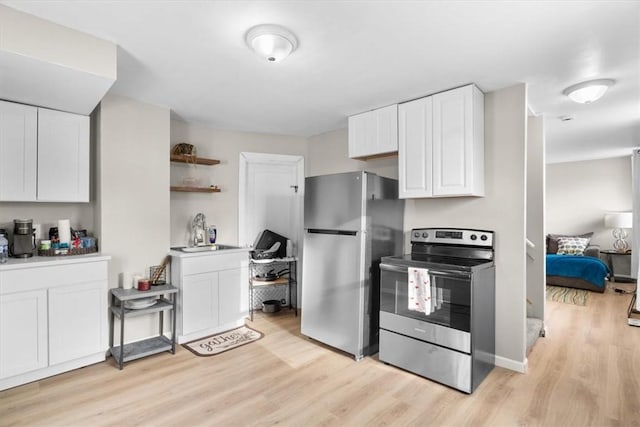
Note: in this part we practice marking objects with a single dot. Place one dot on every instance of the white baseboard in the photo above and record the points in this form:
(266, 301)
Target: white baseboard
(49, 371)
(512, 365)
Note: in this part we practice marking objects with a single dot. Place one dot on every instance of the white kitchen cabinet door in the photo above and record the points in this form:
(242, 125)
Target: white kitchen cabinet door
(374, 133)
(77, 321)
(361, 128)
(199, 302)
(233, 302)
(458, 142)
(23, 332)
(415, 148)
(63, 156)
(18, 152)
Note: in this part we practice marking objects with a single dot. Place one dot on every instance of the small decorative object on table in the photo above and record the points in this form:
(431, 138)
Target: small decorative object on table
(184, 149)
(144, 285)
(158, 273)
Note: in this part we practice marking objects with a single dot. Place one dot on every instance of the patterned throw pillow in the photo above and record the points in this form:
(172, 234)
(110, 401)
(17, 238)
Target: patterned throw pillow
(572, 245)
(552, 240)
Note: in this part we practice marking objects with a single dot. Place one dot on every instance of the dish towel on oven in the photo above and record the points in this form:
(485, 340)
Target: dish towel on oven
(419, 290)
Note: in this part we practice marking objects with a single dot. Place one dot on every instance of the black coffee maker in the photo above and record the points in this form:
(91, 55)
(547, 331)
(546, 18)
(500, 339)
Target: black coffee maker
(24, 238)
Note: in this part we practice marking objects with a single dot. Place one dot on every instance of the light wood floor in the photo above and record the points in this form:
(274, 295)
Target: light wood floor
(585, 372)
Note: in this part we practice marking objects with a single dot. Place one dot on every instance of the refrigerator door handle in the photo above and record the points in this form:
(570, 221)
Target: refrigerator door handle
(336, 232)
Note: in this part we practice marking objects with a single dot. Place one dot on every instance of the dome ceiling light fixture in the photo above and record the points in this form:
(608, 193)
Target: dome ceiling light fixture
(589, 91)
(272, 42)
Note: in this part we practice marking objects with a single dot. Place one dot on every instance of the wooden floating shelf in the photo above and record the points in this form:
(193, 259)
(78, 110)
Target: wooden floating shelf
(181, 158)
(195, 189)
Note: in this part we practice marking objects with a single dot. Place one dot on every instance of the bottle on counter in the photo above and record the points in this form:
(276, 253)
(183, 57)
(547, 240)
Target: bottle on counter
(4, 249)
(212, 234)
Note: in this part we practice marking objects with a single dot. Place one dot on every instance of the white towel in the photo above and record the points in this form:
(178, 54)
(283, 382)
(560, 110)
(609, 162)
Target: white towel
(419, 290)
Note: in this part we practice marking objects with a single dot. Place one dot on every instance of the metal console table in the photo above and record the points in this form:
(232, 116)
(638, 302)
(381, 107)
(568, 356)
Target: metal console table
(167, 297)
(260, 266)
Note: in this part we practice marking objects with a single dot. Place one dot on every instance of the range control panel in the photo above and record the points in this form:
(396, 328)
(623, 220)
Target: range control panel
(454, 236)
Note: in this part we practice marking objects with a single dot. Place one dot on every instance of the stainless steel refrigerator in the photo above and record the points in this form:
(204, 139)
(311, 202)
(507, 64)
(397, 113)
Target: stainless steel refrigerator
(351, 220)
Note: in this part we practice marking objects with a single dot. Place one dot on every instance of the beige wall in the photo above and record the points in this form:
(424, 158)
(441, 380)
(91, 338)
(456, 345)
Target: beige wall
(132, 215)
(27, 35)
(220, 209)
(328, 153)
(580, 193)
(536, 267)
(47, 215)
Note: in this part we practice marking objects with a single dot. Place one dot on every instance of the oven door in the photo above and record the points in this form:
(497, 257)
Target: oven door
(450, 293)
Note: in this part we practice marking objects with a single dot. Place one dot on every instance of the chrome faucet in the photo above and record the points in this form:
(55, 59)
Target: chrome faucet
(199, 229)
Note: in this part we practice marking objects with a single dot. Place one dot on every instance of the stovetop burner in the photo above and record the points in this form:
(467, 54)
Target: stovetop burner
(441, 262)
(450, 248)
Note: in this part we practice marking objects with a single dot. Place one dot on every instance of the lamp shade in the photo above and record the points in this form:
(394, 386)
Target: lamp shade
(272, 42)
(618, 220)
(588, 92)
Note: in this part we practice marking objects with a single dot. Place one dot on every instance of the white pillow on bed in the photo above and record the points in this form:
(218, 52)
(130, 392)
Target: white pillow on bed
(572, 245)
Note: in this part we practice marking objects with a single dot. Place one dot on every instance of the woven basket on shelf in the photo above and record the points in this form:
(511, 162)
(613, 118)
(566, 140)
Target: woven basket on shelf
(70, 251)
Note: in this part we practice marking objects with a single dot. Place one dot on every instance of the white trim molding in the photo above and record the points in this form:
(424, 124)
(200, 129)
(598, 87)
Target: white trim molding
(512, 365)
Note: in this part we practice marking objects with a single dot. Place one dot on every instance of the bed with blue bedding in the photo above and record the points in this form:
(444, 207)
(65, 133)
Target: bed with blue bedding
(583, 272)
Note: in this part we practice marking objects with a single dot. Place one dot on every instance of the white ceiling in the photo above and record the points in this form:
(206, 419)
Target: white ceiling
(358, 55)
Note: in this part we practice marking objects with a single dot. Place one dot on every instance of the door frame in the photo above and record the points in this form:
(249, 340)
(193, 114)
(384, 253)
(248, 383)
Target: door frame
(247, 159)
(263, 158)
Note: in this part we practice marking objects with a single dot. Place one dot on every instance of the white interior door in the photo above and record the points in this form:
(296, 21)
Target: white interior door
(271, 195)
(271, 191)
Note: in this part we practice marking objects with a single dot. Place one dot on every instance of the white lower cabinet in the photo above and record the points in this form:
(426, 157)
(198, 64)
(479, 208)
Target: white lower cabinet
(199, 302)
(213, 293)
(23, 332)
(53, 318)
(77, 325)
(233, 300)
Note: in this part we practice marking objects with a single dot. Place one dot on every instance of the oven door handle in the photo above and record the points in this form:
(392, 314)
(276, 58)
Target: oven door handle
(399, 269)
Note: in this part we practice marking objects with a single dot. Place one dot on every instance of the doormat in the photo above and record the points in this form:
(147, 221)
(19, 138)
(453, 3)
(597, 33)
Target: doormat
(567, 295)
(219, 343)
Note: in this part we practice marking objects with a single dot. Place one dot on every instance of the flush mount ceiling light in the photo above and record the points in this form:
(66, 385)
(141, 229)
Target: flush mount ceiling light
(272, 42)
(588, 92)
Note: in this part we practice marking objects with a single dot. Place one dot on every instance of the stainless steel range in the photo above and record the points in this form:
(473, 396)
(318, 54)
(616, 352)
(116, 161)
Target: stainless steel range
(437, 307)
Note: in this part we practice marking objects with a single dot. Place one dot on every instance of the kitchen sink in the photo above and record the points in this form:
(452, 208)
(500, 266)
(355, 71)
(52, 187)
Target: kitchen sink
(206, 248)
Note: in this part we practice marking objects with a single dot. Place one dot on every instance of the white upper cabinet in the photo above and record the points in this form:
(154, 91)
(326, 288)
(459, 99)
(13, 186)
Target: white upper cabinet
(441, 145)
(458, 142)
(44, 155)
(415, 148)
(374, 133)
(63, 156)
(18, 151)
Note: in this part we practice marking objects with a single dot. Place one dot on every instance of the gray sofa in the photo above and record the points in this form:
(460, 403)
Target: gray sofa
(572, 282)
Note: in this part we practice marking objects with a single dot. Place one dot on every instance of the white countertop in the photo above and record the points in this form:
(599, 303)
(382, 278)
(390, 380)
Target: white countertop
(180, 254)
(46, 261)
